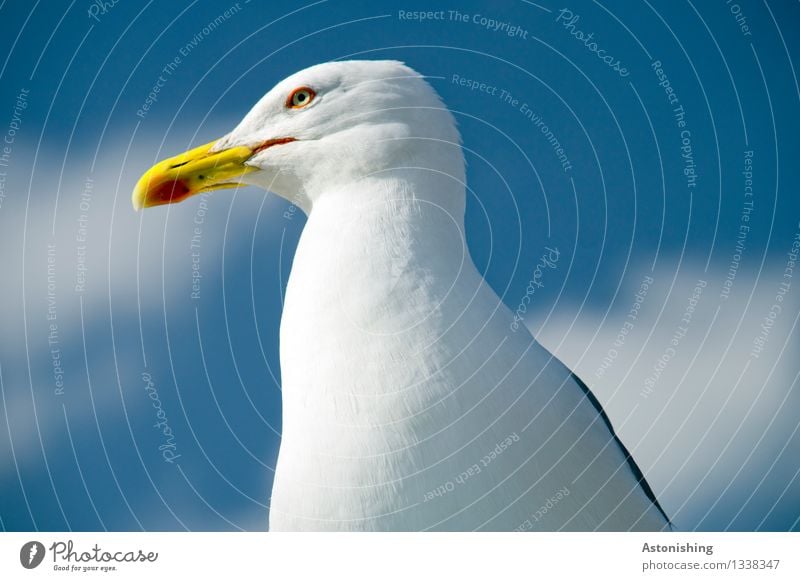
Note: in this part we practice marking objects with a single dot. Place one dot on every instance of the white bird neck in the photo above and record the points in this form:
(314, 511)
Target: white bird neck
(409, 219)
(380, 270)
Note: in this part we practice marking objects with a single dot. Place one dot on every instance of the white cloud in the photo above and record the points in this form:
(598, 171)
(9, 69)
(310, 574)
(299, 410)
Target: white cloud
(132, 261)
(707, 415)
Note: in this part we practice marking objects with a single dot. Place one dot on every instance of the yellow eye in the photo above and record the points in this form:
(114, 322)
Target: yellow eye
(300, 98)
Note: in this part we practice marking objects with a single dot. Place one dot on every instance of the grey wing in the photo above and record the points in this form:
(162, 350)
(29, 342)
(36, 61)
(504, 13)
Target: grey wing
(634, 468)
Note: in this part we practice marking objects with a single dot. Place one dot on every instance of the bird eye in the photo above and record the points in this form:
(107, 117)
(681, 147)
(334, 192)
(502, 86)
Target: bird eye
(300, 98)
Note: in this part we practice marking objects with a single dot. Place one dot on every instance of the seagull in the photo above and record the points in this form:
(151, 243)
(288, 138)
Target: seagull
(411, 399)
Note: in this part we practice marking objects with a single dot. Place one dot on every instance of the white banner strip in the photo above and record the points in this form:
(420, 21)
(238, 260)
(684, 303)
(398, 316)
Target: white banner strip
(400, 556)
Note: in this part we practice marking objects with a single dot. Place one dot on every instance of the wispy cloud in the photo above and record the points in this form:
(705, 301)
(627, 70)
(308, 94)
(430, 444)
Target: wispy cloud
(707, 419)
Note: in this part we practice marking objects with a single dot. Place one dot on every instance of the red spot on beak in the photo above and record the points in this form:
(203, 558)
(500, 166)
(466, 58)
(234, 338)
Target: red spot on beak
(169, 192)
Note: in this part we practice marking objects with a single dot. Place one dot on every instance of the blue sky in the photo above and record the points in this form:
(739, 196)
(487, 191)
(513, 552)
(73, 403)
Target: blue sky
(654, 188)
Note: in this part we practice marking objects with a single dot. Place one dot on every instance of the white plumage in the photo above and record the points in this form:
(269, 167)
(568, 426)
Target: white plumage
(409, 403)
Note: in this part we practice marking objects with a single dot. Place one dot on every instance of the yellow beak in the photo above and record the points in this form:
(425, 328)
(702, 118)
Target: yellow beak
(198, 170)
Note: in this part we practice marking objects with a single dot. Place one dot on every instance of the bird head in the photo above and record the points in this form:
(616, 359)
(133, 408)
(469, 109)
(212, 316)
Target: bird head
(318, 130)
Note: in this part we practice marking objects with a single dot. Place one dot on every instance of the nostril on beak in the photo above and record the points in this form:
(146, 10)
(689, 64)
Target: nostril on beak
(178, 165)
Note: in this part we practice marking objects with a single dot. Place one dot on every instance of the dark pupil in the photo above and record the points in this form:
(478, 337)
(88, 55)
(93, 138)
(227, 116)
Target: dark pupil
(301, 97)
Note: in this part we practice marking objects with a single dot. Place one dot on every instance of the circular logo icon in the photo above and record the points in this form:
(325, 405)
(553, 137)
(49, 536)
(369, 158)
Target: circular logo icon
(31, 554)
